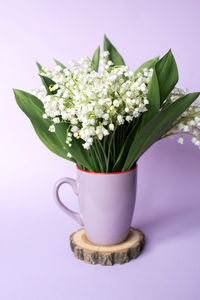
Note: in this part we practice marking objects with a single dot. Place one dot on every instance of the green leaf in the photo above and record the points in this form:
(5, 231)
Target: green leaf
(114, 56)
(167, 74)
(80, 155)
(154, 101)
(61, 133)
(118, 164)
(34, 110)
(148, 64)
(95, 59)
(47, 83)
(156, 128)
(153, 107)
(59, 64)
(39, 67)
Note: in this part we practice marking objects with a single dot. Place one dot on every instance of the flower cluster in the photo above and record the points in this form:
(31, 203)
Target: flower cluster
(188, 122)
(93, 103)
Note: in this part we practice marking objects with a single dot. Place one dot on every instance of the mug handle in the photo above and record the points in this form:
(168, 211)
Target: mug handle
(74, 215)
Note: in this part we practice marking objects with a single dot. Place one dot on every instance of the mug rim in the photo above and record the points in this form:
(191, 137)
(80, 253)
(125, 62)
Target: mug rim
(102, 173)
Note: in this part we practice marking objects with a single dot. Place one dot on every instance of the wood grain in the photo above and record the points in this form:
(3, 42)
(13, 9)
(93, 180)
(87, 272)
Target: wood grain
(107, 255)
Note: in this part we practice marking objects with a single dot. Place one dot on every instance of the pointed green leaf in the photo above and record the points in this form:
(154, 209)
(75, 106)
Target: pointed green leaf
(59, 64)
(80, 155)
(48, 82)
(39, 67)
(61, 133)
(157, 127)
(114, 56)
(167, 74)
(153, 107)
(148, 64)
(118, 164)
(34, 110)
(154, 101)
(95, 59)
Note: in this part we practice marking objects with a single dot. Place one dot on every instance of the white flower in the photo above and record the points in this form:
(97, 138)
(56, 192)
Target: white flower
(129, 118)
(86, 146)
(120, 119)
(64, 115)
(98, 130)
(58, 68)
(94, 103)
(127, 109)
(56, 120)
(69, 155)
(143, 87)
(196, 141)
(90, 140)
(188, 122)
(116, 103)
(185, 128)
(106, 116)
(100, 136)
(52, 128)
(74, 129)
(74, 121)
(109, 63)
(111, 127)
(105, 132)
(106, 53)
(129, 94)
(180, 140)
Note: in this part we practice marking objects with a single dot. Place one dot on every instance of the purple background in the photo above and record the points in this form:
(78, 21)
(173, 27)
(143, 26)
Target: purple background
(36, 262)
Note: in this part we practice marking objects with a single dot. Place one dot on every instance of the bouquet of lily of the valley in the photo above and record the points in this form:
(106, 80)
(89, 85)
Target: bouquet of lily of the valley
(104, 120)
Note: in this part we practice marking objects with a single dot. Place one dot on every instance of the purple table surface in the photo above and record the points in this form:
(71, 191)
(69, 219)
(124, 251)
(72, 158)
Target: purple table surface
(36, 262)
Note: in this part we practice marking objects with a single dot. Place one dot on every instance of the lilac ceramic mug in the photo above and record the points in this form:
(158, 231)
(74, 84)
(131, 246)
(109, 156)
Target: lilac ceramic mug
(106, 202)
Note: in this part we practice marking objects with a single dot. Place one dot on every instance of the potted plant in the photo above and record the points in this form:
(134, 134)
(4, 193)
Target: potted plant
(103, 121)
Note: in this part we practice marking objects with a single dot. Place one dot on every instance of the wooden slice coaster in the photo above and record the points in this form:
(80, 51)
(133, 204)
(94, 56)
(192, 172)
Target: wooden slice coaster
(107, 255)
